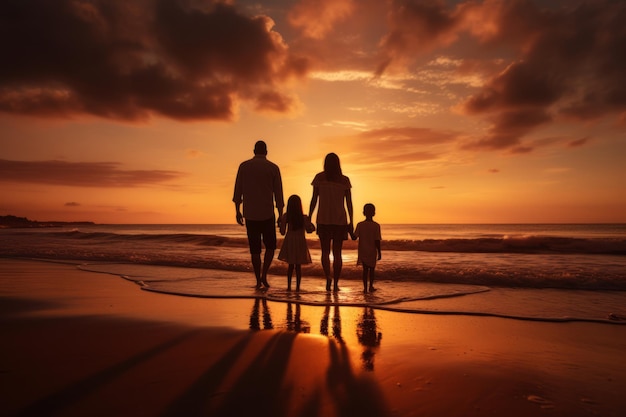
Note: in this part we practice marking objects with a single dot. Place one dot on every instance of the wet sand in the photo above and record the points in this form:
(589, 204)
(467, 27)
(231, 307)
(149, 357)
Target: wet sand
(78, 343)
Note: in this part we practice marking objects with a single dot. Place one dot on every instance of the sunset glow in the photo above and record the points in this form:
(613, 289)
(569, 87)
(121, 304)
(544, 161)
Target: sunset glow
(486, 111)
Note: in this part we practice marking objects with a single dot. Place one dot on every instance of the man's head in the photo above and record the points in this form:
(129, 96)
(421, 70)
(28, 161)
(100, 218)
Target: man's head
(260, 148)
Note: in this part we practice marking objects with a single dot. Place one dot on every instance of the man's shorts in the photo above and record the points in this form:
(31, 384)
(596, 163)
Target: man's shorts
(333, 231)
(261, 229)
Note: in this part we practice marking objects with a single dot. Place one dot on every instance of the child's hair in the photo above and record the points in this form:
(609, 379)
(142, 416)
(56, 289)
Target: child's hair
(369, 208)
(294, 213)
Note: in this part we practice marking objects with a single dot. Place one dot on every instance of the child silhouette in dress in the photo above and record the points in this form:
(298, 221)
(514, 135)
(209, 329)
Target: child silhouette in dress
(293, 225)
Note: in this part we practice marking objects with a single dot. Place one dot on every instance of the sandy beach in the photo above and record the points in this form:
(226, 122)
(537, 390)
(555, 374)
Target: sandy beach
(78, 343)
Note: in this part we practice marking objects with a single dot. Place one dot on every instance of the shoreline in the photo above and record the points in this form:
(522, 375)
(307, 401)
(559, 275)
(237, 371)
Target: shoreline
(86, 343)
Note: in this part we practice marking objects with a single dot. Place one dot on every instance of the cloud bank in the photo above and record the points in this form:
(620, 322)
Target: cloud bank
(133, 60)
(81, 174)
(531, 62)
(565, 60)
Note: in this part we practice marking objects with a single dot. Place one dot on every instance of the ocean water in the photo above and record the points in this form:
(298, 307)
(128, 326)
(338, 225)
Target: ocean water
(560, 272)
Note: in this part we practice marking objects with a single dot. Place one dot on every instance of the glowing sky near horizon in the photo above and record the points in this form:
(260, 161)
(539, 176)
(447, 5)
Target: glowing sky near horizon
(441, 111)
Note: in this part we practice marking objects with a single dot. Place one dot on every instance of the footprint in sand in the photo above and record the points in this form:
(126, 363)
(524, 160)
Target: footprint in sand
(541, 401)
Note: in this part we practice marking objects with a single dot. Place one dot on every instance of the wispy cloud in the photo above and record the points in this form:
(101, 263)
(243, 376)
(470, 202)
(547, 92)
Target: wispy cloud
(82, 174)
(393, 146)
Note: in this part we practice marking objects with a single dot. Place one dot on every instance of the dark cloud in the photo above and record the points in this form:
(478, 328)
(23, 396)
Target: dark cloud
(81, 174)
(508, 127)
(419, 25)
(130, 60)
(72, 204)
(416, 26)
(569, 63)
(519, 86)
(565, 59)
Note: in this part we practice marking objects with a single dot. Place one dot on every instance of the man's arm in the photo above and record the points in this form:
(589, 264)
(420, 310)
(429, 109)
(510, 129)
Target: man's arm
(237, 197)
(278, 196)
(238, 214)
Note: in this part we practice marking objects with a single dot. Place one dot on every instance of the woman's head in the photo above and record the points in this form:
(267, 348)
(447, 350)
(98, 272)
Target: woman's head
(332, 167)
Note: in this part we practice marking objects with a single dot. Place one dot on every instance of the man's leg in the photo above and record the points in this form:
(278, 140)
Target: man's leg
(267, 261)
(254, 241)
(256, 265)
(269, 240)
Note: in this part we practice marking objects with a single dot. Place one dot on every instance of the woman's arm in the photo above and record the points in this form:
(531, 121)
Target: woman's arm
(350, 209)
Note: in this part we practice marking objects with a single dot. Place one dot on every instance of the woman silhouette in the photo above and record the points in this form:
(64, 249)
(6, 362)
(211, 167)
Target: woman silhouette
(332, 189)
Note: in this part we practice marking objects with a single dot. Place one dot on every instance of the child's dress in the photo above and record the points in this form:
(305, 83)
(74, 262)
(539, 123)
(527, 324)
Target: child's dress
(294, 249)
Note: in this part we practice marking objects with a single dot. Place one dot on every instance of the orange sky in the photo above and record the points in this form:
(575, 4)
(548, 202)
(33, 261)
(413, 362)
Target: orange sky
(441, 111)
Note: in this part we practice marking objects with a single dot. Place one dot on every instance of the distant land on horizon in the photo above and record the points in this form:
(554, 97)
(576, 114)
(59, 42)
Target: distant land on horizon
(11, 221)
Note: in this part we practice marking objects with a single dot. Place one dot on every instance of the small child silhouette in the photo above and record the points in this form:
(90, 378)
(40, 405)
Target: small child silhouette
(368, 233)
(294, 249)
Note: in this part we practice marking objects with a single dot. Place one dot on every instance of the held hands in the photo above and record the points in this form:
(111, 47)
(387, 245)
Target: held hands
(240, 218)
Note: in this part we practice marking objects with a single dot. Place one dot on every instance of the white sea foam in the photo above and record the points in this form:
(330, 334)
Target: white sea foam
(421, 265)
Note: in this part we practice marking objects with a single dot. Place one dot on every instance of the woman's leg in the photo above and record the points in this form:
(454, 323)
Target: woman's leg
(337, 261)
(325, 247)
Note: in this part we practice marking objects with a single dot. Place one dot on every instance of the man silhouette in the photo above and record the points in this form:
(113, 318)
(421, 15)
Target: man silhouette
(259, 186)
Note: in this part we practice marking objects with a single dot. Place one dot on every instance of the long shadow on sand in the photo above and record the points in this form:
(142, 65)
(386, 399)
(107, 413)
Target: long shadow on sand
(57, 402)
(242, 383)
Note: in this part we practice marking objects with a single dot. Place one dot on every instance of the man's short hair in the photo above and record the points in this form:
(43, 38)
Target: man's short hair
(260, 148)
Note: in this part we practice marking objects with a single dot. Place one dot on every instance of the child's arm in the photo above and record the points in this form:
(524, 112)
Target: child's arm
(283, 224)
(354, 234)
(379, 238)
(308, 225)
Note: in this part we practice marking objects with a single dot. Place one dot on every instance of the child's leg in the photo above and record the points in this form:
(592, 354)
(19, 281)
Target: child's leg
(289, 275)
(372, 275)
(365, 278)
(298, 276)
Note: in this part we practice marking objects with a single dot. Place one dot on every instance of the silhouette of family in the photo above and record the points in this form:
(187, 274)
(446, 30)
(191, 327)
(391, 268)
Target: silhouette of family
(258, 187)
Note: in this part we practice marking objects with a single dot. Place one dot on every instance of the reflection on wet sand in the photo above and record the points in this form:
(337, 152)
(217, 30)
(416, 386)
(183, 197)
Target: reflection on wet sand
(336, 323)
(368, 336)
(294, 322)
(255, 315)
